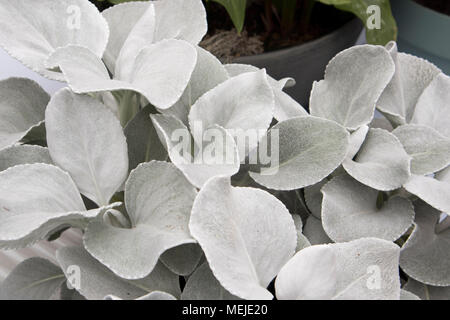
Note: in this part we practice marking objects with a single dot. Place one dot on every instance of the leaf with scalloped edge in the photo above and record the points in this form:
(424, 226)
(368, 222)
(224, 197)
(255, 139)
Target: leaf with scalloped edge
(350, 211)
(23, 154)
(381, 163)
(32, 33)
(97, 281)
(354, 80)
(361, 269)
(425, 256)
(158, 199)
(309, 149)
(246, 234)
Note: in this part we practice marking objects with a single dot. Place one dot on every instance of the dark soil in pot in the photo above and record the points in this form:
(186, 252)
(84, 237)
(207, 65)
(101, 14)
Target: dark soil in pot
(260, 35)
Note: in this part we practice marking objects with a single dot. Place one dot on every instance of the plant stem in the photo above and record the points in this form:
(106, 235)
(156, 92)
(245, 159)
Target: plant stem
(128, 107)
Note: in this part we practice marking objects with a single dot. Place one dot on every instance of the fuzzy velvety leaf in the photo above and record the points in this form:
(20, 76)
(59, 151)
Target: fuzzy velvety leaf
(285, 106)
(430, 151)
(204, 164)
(382, 163)
(86, 139)
(32, 33)
(96, 281)
(244, 102)
(412, 76)
(433, 105)
(160, 73)
(361, 269)
(36, 199)
(425, 256)
(33, 279)
(434, 192)
(309, 149)
(426, 292)
(23, 154)
(314, 231)
(354, 80)
(247, 235)
(349, 212)
(208, 73)
(183, 259)
(22, 107)
(202, 285)
(158, 200)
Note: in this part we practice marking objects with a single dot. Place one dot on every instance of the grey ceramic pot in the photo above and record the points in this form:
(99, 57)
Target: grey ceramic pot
(423, 32)
(306, 63)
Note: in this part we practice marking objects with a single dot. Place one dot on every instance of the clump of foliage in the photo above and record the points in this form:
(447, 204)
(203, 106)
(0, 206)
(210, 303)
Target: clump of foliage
(351, 200)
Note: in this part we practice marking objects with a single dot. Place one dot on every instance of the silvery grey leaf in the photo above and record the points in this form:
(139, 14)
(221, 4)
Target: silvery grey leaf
(425, 255)
(426, 292)
(202, 285)
(33, 279)
(36, 199)
(180, 19)
(96, 281)
(22, 106)
(443, 175)
(142, 140)
(32, 33)
(87, 140)
(412, 76)
(208, 73)
(245, 102)
(434, 192)
(23, 154)
(202, 165)
(432, 106)
(182, 260)
(430, 151)
(309, 150)
(350, 211)
(302, 241)
(314, 231)
(160, 73)
(158, 199)
(382, 163)
(285, 106)
(246, 234)
(354, 80)
(361, 269)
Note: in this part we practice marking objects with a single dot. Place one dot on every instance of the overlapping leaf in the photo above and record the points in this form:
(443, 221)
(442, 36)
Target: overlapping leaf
(412, 76)
(33, 279)
(425, 256)
(36, 199)
(210, 153)
(23, 154)
(22, 107)
(430, 151)
(97, 282)
(247, 236)
(308, 150)
(158, 200)
(354, 80)
(350, 211)
(434, 192)
(342, 271)
(32, 33)
(86, 139)
(381, 163)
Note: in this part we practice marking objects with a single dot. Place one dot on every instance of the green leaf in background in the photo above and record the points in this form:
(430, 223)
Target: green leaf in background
(388, 27)
(236, 10)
